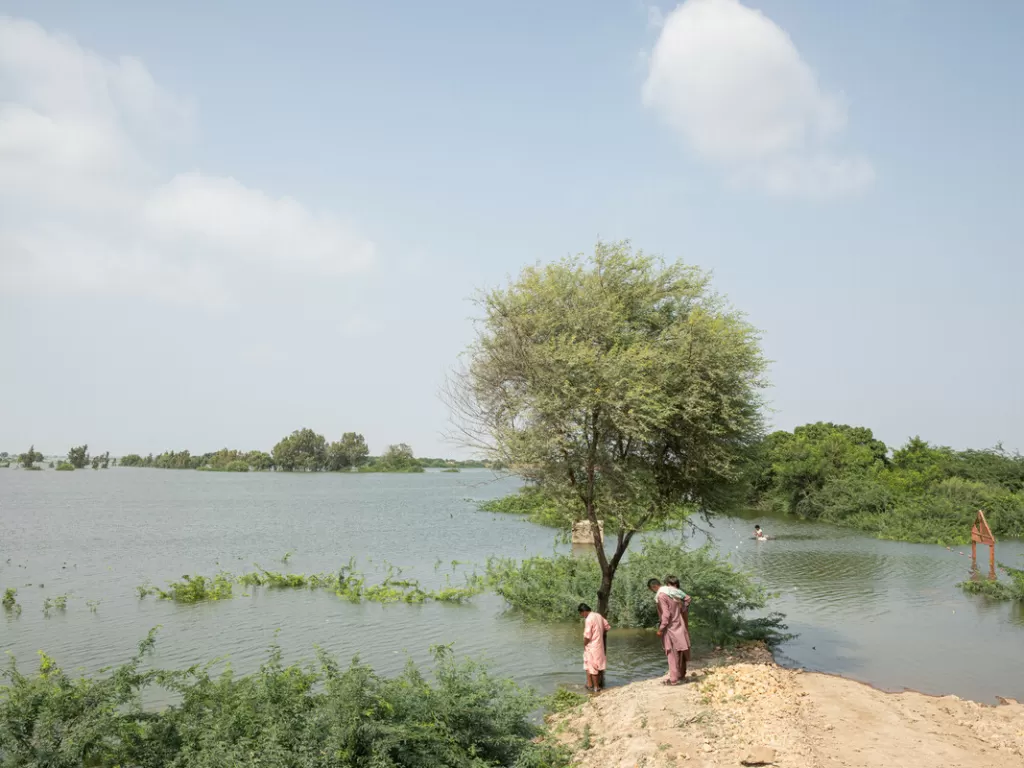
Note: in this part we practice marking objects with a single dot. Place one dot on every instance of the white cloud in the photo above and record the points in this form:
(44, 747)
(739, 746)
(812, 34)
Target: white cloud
(732, 83)
(87, 203)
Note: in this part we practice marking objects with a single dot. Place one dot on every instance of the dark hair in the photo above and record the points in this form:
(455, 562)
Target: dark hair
(757, 527)
(583, 608)
(653, 582)
(672, 581)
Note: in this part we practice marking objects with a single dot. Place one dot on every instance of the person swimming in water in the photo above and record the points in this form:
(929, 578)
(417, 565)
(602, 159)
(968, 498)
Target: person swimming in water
(759, 534)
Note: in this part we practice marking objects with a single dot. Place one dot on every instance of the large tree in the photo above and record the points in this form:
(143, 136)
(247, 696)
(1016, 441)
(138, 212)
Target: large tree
(29, 459)
(621, 385)
(303, 450)
(350, 451)
(78, 456)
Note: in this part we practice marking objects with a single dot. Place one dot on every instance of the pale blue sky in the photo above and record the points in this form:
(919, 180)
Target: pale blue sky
(435, 148)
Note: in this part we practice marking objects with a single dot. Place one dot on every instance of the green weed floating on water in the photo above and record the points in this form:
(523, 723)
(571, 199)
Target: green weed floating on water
(316, 716)
(58, 602)
(193, 589)
(998, 590)
(10, 601)
(347, 583)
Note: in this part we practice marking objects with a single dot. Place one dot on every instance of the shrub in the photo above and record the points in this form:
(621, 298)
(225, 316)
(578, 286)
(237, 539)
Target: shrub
(319, 716)
(65, 466)
(722, 597)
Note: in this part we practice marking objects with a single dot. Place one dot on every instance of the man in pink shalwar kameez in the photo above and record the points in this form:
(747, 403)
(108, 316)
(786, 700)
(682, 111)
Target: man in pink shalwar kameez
(674, 632)
(594, 659)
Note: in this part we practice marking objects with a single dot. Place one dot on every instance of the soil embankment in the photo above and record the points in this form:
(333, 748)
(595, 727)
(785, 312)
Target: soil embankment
(745, 708)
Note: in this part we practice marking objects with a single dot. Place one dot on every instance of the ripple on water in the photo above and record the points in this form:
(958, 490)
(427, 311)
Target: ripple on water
(885, 612)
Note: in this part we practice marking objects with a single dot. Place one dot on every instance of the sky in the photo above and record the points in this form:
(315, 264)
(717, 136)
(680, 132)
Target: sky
(220, 222)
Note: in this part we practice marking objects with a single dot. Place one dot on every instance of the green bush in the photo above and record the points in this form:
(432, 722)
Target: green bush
(722, 597)
(318, 716)
(65, 466)
(532, 503)
(236, 466)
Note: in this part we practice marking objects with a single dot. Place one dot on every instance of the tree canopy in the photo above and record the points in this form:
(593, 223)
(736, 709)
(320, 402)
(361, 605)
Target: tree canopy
(303, 450)
(78, 457)
(350, 451)
(921, 492)
(30, 458)
(621, 385)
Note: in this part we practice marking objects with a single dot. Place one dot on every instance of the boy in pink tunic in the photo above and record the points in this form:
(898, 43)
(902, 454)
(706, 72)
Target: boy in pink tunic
(594, 660)
(673, 629)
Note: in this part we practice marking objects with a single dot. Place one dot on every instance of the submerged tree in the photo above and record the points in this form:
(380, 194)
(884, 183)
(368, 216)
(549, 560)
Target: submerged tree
(303, 450)
(398, 458)
(78, 456)
(622, 386)
(350, 451)
(29, 459)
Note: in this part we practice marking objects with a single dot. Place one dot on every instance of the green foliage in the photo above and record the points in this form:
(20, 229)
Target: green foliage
(564, 700)
(65, 466)
(10, 598)
(621, 385)
(320, 716)
(842, 475)
(351, 451)
(397, 458)
(78, 457)
(194, 589)
(131, 460)
(238, 465)
(29, 459)
(260, 461)
(303, 451)
(534, 504)
(347, 583)
(57, 602)
(722, 597)
(995, 589)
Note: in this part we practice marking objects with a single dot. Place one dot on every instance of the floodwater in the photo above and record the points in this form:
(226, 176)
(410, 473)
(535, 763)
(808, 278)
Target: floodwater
(882, 612)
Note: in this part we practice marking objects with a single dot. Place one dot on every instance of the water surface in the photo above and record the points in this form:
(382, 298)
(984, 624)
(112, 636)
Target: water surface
(882, 612)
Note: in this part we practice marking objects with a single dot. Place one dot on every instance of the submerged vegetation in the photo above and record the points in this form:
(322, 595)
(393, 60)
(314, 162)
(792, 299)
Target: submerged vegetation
(995, 588)
(552, 588)
(919, 492)
(347, 583)
(315, 716)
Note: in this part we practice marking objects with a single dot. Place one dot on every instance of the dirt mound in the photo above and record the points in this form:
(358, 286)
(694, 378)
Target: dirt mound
(747, 710)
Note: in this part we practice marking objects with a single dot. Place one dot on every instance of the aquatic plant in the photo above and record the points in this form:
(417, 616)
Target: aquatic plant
(997, 589)
(10, 598)
(348, 583)
(321, 715)
(194, 589)
(65, 466)
(722, 597)
(57, 602)
(532, 504)
(92, 605)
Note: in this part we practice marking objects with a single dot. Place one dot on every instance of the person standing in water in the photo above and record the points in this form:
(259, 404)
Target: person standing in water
(759, 534)
(594, 659)
(673, 629)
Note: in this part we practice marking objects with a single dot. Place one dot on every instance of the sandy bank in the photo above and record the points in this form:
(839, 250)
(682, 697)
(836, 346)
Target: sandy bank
(736, 707)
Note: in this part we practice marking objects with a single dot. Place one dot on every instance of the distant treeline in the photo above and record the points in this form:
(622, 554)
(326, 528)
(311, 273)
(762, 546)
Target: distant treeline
(302, 451)
(918, 492)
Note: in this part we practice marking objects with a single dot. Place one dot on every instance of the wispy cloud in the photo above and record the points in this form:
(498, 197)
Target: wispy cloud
(89, 204)
(731, 82)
